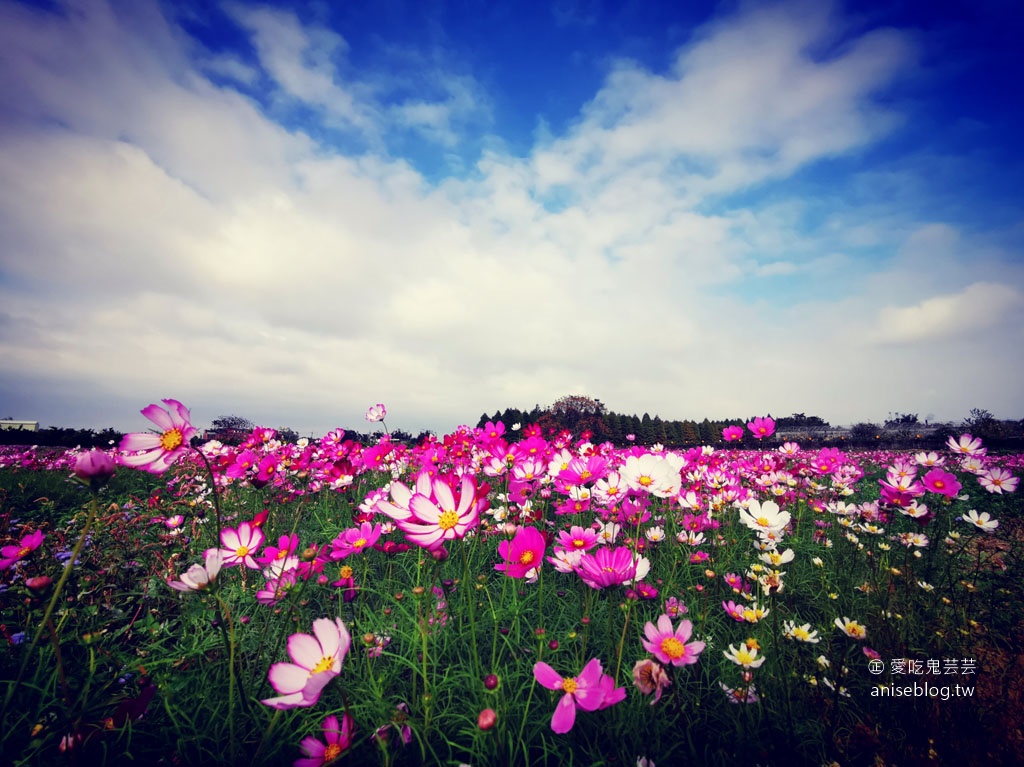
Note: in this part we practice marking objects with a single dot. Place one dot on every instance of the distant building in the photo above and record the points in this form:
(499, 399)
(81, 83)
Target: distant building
(19, 425)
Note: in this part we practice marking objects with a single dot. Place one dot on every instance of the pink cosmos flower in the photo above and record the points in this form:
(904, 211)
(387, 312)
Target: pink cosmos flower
(523, 553)
(442, 519)
(607, 567)
(762, 427)
(966, 445)
(94, 467)
(583, 691)
(240, 545)
(670, 646)
(941, 482)
(317, 660)
(732, 433)
(155, 452)
(734, 610)
(286, 546)
(338, 738)
(354, 540)
(997, 480)
(649, 676)
(577, 539)
(376, 413)
(26, 546)
(198, 577)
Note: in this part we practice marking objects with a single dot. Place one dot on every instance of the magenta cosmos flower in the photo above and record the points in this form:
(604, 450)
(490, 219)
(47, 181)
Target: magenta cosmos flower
(355, 540)
(155, 452)
(762, 427)
(732, 433)
(584, 691)
(338, 738)
(317, 660)
(607, 567)
(22, 549)
(670, 646)
(444, 518)
(523, 553)
(941, 482)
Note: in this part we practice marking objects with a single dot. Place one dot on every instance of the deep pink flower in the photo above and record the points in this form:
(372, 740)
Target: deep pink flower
(732, 433)
(22, 549)
(155, 452)
(584, 691)
(317, 660)
(941, 482)
(762, 427)
(577, 539)
(338, 738)
(523, 553)
(355, 540)
(607, 567)
(670, 646)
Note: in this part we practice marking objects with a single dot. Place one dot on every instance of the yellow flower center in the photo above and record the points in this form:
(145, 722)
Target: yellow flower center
(23, 552)
(325, 663)
(645, 481)
(801, 633)
(359, 544)
(242, 551)
(171, 439)
(281, 554)
(763, 522)
(578, 543)
(673, 648)
(569, 685)
(332, 752)
(346, 571)
(744, 657)
(448, 520)
(526, 558)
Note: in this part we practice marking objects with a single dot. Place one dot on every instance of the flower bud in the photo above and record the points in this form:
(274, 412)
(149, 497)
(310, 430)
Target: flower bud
(487, 719)
(94, 467)
(491, 682)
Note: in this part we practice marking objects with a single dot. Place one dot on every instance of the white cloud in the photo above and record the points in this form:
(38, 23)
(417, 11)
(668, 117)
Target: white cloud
(165, 236)
(976, 309)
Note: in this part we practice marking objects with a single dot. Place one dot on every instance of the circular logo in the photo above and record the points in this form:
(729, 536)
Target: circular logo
(875, 666)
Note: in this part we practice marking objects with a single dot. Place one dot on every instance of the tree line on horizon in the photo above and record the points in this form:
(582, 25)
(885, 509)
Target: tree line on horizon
(579, 413)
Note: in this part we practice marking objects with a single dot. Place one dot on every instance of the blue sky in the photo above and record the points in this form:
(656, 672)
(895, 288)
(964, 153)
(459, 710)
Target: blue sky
(290, 211)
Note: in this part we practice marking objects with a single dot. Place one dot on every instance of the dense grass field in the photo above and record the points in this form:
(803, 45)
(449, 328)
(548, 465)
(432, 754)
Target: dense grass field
(508, 598)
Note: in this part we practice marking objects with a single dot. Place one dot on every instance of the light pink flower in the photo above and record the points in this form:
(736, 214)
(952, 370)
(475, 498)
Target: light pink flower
(442, 519)
(240, 546)
(997, 480)
(649, 676)
(317, 660)
(198, 577)
(155, 452)
(670, 646)
(583, 691)
(376, 413)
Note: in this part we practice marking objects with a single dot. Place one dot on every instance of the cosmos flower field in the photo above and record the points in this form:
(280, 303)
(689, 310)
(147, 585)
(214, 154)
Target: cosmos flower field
(508, 597)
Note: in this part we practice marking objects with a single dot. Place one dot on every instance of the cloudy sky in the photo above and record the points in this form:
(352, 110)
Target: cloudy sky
(290, 211)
